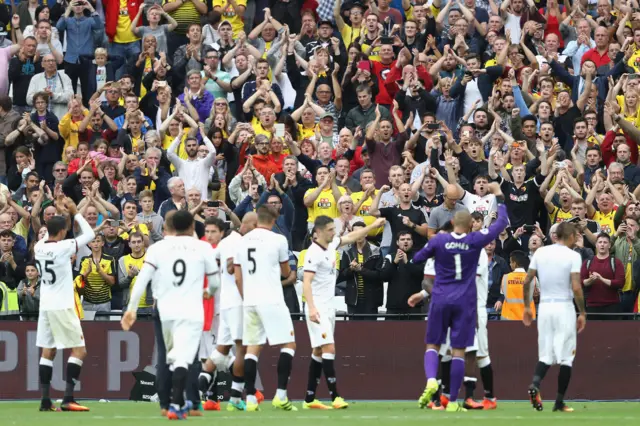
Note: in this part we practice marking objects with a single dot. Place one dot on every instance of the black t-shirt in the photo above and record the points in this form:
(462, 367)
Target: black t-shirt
(521, 202)
(563, 127)
(427, 205)
(394, 216)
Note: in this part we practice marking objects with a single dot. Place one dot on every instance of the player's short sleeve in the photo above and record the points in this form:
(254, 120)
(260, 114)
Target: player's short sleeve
(576, 263)
(430, 268)
(311, 260)
(210, 263)
(283, 250)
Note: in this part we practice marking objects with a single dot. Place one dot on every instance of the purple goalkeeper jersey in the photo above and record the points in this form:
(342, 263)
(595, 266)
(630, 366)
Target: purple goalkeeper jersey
(456, 261)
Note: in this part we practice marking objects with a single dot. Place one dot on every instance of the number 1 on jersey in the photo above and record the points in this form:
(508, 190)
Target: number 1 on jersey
(458, 260)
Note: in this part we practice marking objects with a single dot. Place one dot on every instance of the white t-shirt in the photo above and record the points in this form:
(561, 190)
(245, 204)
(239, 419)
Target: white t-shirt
(554, 265)
(176, 267)
(53, 260)
(482, 276)
(229, 294)
(322, 262)
(484, 205)
(260, 254)
(513, 23)
(388, 199)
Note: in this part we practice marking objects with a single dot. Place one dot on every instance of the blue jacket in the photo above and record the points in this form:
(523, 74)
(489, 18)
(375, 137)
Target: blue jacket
(284, 223)
(573, 81)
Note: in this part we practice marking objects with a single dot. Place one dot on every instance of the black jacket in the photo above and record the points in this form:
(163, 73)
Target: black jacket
(373, 289)
(497, 272)
(73, 189)
(8, 275)
(404, 280)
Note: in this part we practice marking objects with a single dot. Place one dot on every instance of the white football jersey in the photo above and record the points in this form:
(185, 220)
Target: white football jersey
(554, 265)
(229, 294)
(260, 254)
(53, 260)
(179, 265)
(322, 262)
(484, 205)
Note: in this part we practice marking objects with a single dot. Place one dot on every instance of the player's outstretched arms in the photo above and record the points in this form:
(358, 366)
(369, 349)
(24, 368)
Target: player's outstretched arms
(527, 316)
(128, 319)
(354, 236)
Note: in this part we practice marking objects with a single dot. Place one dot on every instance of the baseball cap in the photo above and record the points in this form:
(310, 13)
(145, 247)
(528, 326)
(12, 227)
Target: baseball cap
(325, 22)
(327, 115)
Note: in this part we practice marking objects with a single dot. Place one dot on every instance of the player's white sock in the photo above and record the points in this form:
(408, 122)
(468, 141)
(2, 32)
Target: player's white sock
(238, 387)
(251, 399)
(281, 394)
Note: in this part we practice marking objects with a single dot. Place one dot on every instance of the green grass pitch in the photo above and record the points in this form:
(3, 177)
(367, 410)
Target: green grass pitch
(358, 414)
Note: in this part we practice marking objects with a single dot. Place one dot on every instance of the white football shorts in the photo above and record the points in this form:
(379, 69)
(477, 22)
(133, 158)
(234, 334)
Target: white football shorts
(59, 329)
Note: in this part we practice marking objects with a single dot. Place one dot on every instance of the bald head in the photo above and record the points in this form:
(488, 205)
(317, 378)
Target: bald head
(249, 223)
(451, 193)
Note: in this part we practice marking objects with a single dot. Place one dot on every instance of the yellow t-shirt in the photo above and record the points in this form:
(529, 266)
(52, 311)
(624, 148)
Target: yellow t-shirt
(325, 204)
(606, 221)
(229, 14)
(634, 60)
(123, 33)
(350, 35)
(559, 215)
(257, 127)
(180, 152)
(628, 272)
(364, 211)
(141, 228)
(306, 133)
(375, 52)
(129, 261)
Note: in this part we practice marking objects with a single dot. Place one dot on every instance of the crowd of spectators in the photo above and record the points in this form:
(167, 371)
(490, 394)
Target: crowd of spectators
(402, 109)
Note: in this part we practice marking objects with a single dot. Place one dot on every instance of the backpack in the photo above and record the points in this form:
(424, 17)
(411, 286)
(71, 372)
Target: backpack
(611, 259)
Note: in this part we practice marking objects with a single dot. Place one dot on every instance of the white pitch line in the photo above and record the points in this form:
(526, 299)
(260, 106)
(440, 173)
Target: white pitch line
(262, 417)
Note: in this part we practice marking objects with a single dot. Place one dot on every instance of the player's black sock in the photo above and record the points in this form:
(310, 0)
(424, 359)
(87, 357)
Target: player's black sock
(469, 387)
(486, 373)
(328, 361)
(212, 390)
(315, 372)
(204, 381)
(74, 365)
(446, 376)
(46, 372)
(179, 382)
(285, 363)
(563, 383)
(250, 372)
(539, 373)
(237, 384)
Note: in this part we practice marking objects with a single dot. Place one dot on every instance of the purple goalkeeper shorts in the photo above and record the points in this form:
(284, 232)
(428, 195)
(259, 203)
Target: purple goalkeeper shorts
(461, 319)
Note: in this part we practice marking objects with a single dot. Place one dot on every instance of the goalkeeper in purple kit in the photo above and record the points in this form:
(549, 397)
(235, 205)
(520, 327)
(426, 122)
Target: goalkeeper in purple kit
(454, 296)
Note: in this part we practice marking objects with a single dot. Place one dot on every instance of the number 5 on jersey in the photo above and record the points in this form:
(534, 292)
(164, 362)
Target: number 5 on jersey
(47, 275)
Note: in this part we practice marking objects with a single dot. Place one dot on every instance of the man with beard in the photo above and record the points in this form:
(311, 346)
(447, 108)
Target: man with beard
(77, 184)
(261, 160)
(386, 151)
(402, 217)
(193, 171)
(404, 278)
